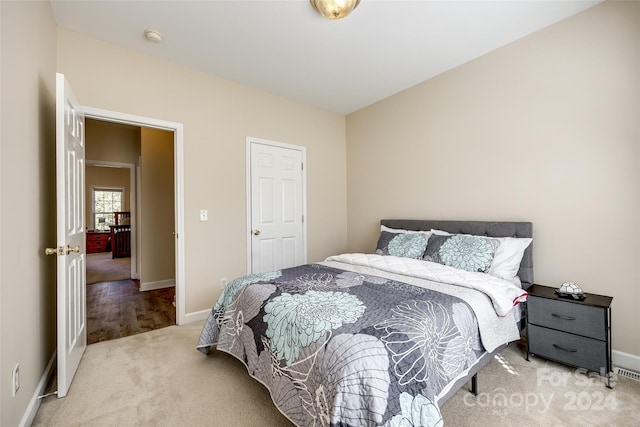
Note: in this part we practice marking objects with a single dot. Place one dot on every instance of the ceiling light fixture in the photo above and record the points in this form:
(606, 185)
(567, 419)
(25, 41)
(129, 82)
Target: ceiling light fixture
(153, 35)
(334, 9)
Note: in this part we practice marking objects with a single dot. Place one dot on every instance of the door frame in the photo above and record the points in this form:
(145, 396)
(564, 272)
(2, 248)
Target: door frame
(135, 268)
(303, 150)
(178, 161)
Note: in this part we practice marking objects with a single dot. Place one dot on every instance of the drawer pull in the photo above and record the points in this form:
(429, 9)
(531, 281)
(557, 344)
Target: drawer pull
(561, 316)
(570, 350)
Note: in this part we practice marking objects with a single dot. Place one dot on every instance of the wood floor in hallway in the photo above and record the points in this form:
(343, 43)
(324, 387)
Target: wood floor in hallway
(118, 309)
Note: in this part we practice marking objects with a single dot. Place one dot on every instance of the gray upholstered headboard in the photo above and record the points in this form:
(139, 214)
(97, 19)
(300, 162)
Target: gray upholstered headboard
(478, 228)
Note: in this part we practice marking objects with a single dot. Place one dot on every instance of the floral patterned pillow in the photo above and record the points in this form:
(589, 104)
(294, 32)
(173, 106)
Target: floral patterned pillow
(407, 245)
(462, 251)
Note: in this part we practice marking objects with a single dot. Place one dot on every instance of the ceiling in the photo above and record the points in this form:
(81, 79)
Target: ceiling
(286, 48)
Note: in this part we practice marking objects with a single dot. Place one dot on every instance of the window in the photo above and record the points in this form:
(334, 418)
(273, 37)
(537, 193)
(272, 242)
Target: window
(105, 201)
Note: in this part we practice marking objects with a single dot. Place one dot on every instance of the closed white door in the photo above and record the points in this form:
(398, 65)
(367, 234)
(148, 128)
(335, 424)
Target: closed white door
(70, 250)
(277, 231)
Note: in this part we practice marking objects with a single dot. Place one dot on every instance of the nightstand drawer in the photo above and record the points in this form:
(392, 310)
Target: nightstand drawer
(97, 242)
(565, 316)
(567, 348)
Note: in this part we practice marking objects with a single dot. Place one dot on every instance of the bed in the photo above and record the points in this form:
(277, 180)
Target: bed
(120, 238)
(380, 339)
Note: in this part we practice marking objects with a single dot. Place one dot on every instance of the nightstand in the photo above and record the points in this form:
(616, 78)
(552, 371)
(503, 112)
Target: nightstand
(576, 333)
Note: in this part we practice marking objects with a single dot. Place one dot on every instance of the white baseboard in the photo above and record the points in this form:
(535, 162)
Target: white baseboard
(196, 316)
(34, 404)
(161, 284)
(626, 360)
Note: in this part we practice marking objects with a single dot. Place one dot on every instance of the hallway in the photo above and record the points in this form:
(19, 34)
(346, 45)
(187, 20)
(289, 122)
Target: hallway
(118, 309)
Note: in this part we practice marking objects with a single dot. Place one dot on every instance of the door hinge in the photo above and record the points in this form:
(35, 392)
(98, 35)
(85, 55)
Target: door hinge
(302, 166)
(303, 219)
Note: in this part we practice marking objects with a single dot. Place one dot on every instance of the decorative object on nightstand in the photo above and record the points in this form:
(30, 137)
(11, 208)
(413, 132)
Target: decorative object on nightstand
(570, 290)
(576, 332)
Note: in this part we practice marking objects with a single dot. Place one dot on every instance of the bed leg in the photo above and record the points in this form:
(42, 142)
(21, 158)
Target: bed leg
(474, 384)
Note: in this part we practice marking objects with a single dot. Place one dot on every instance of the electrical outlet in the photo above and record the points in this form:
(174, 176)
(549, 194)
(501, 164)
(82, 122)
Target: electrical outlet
(15, 375)
(223, 282)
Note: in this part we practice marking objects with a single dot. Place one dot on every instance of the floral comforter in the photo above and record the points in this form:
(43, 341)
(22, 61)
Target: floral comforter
(346, 345)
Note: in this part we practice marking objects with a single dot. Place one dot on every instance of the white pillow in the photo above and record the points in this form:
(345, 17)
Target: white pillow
(440, 232)
(508, 256)
(400, 230)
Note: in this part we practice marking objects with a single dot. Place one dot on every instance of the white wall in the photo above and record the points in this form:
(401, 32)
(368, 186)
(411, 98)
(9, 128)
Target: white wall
(157, 208)
(545, 130)
(27, 210)
(217, 115)
(100, 176)
(112, 142)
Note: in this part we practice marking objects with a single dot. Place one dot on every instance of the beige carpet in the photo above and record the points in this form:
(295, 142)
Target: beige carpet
(159, 379)
(101, 268)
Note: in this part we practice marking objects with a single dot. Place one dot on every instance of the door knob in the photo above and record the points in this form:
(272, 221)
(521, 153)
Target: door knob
(75, 249)
(61, 250)
(51, 251)
(256, 232)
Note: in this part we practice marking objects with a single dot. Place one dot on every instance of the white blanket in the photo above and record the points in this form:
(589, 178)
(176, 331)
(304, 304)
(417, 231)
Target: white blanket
(495, 329)
(504, 295)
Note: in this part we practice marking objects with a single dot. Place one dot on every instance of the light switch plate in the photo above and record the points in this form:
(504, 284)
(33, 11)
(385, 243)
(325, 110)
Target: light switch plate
(204, 215)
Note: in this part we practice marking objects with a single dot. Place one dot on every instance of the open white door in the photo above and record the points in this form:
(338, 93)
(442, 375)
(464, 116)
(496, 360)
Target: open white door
(70, 250)
(277, 238)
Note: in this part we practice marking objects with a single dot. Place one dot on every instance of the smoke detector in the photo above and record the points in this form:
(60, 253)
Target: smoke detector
(153, 36)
